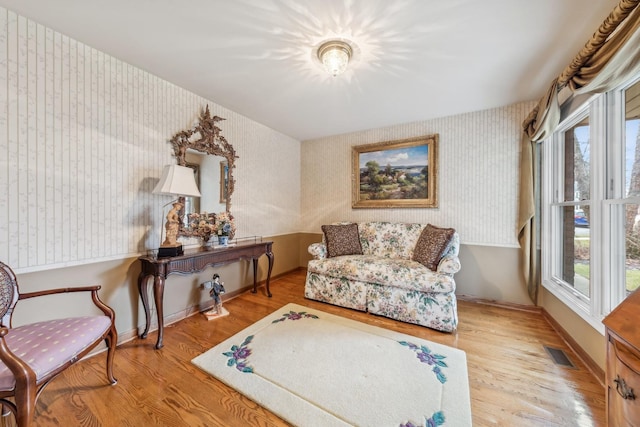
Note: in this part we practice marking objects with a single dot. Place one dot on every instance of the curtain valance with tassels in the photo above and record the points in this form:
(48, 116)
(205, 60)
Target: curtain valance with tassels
(609, 58)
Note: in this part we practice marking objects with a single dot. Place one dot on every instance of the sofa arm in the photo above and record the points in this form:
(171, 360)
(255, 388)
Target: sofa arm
(449, 264)
(318, 250)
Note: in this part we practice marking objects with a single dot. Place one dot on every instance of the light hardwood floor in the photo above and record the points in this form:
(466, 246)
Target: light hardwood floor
(513, 381)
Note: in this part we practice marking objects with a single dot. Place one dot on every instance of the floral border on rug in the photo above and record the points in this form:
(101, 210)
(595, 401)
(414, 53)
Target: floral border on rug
(436, 360)
(292, 315)
(239, 354)
(425, 355)
(436, 419)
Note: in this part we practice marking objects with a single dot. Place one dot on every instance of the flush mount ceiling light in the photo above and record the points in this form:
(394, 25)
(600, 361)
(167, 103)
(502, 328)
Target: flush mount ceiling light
(335, 55)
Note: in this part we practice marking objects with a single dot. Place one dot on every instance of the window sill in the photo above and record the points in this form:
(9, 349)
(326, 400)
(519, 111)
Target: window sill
(576, 304)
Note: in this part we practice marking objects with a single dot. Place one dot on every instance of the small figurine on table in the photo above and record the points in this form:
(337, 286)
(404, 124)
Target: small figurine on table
(216, 288)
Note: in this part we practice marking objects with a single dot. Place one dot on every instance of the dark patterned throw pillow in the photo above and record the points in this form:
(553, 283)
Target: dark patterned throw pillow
(342, 240)
(431, 246)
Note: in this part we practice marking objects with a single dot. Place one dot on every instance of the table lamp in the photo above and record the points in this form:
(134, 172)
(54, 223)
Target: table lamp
(175, 181)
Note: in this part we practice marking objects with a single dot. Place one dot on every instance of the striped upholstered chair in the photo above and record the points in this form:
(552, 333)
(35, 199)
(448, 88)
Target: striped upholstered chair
(34, 354)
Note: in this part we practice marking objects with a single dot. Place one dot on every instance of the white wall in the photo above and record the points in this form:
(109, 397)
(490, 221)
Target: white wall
(83, 139)
(477, 178)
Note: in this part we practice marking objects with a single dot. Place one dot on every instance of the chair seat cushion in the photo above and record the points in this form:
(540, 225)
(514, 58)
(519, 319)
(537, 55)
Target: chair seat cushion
(45, 346)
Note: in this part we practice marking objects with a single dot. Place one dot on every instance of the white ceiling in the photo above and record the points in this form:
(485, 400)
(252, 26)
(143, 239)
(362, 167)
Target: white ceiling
(415, 59)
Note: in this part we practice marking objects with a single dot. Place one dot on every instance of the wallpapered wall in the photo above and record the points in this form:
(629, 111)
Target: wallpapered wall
(477, 178)
(83, 139)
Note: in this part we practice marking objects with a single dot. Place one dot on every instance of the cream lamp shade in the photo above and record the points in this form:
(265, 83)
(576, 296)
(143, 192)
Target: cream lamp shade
(177, 181)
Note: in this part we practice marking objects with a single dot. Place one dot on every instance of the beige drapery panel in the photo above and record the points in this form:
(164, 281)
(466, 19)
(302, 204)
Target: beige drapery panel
(609, 58)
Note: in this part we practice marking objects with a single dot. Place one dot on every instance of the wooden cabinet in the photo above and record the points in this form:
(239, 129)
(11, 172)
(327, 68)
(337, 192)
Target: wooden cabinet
(623, 363)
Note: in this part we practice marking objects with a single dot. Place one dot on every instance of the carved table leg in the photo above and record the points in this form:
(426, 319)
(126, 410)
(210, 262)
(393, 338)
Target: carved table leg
(255, 275)
(270, 256)
(158, 294)
(144, 296)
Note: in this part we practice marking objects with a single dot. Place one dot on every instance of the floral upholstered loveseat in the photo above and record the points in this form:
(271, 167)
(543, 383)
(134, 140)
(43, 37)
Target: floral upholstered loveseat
(398, 270)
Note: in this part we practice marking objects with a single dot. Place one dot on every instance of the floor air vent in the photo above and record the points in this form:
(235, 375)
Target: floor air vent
(559, 357)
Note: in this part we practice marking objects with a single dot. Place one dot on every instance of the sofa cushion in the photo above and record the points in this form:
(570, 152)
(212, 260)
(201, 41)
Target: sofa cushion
(432, 245)
(434, 310)
(389, 239)
(400, 273)
(342, 240)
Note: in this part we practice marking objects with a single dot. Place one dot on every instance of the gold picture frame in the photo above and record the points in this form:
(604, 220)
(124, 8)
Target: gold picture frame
(224, 181)
(396, 174)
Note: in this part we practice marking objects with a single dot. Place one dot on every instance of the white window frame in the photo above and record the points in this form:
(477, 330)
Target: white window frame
(606, 123)
(616, 196)
(553, 201)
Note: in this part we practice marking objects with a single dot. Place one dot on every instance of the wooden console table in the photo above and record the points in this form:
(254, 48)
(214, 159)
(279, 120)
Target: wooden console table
(194, 261)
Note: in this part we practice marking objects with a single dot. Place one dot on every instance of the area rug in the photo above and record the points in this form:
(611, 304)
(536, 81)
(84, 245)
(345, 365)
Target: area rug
(316, 369)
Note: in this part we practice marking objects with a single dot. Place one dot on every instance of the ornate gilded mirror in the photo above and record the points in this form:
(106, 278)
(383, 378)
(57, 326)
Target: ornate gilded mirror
(202, 148)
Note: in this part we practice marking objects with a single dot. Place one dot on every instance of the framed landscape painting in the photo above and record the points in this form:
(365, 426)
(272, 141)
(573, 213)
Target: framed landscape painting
(396, 174)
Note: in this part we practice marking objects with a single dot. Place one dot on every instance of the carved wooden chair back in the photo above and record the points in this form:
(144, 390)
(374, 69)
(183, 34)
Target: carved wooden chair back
(8, 294)
(32, 355)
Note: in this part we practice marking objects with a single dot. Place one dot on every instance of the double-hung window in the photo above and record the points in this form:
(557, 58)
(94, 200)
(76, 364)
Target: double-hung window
(591, 204)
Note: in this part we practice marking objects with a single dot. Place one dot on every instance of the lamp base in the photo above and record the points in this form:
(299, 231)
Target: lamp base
(170, 251)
